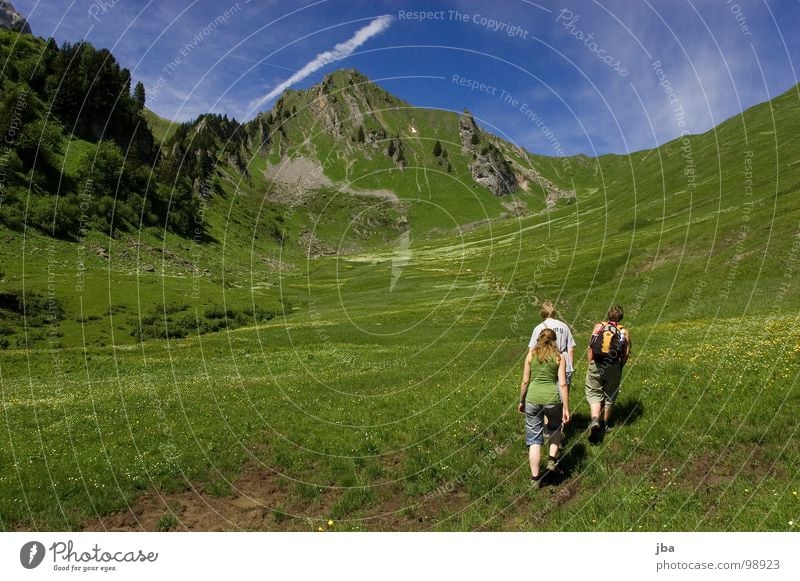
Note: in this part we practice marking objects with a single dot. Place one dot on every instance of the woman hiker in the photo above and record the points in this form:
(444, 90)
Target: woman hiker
(544, 393)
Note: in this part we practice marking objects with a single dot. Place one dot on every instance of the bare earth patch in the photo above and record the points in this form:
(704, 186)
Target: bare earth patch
(261, 502)
(302, 175)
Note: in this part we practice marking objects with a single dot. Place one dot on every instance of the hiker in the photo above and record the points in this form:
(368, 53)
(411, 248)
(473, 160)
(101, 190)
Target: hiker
(564, 339)
(544, 369)
(609, 350)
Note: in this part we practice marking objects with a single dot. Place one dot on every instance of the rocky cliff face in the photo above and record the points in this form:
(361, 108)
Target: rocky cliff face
(10, 19)
(489, 167)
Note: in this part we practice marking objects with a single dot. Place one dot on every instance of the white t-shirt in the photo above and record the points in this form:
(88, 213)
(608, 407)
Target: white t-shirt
(564, 338)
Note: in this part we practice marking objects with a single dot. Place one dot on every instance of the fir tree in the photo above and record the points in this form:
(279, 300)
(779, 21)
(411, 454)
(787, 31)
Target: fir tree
(138, 95)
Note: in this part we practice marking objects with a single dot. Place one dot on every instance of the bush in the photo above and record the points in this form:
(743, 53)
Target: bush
(218, 312)
(172, 308)
(36, 309)
(38, 143)
(161, 322)
(260, 315)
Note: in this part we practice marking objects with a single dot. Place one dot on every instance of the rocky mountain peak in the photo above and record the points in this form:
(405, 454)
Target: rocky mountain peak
(10, 19)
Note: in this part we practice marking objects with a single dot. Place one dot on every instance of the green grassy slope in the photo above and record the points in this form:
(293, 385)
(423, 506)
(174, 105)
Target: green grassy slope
(395, 409)
(162, 128)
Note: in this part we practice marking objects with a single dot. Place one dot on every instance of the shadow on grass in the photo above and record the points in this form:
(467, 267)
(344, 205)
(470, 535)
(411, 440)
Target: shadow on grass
(578, 423)
(625, 413)
(573, 454)
(570, 463)
(572, 459)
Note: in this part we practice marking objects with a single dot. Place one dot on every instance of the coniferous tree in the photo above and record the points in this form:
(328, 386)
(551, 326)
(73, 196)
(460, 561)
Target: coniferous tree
(139, 95)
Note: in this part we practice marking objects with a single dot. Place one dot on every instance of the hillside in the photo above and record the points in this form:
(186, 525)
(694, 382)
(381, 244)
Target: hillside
(106, 185)
(362, 137)
(338, 333)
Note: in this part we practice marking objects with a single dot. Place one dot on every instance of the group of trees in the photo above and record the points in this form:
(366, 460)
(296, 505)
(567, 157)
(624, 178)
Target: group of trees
(195, 148)
(443, 158)
(52, 98)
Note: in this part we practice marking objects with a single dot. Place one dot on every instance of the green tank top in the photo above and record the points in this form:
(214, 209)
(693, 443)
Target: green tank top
(543, 387)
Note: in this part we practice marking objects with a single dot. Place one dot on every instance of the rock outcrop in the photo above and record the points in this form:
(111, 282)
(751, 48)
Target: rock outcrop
(10, 19)
(488, 167)
(553, 193)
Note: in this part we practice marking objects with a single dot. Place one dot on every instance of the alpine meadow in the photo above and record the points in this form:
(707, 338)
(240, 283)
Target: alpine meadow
(316, 319)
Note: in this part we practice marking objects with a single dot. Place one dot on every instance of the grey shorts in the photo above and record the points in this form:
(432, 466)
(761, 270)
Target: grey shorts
(534, 423)
(602, 383)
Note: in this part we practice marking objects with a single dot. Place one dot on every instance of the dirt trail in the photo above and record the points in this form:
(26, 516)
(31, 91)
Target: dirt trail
(257, 491)
(261, 501)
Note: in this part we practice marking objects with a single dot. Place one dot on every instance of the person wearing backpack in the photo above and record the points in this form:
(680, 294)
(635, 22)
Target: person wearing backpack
(564, 339)
(609, 350)
(544, 369)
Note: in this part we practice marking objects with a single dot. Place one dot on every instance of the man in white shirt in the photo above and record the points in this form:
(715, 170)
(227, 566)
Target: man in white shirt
(566, 344)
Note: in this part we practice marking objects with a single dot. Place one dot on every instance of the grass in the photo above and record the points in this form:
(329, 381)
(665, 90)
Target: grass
(167, 522)
(335, 402)
(162, 128)
(396, 410)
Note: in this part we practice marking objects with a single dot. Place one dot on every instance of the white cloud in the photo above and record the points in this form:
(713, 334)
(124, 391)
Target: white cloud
(339, 52)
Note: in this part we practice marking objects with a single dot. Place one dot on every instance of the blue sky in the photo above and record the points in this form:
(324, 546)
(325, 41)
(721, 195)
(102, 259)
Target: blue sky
(575, 76)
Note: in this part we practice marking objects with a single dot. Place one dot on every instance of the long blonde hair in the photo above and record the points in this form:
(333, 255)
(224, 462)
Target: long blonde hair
(546, 346)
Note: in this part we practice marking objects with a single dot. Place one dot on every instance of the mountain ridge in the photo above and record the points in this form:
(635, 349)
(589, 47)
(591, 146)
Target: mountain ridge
(347, 119)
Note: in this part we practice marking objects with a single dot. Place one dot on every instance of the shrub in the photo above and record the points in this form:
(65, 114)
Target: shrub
(36, 309)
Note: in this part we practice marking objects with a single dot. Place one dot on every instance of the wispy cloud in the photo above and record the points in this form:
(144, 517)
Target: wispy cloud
(339, 52)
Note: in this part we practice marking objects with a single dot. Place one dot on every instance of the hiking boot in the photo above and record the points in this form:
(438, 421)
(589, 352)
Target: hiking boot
(594, 430)
(552, 468)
